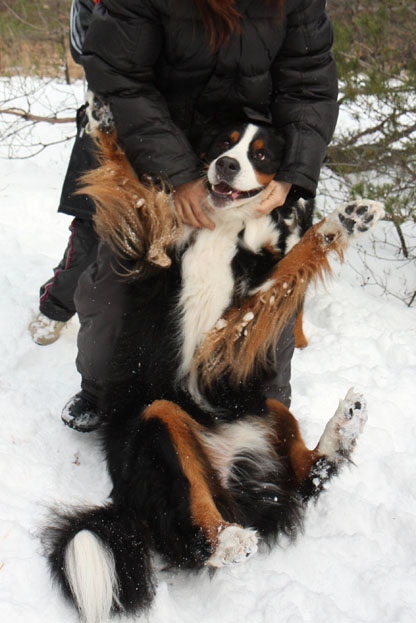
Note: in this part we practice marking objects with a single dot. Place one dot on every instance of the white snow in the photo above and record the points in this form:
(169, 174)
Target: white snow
(355, 562)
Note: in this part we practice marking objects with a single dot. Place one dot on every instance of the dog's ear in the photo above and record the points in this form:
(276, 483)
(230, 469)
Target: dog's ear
(279, 143)
(280, 137)
(206, 149)
(274, 145)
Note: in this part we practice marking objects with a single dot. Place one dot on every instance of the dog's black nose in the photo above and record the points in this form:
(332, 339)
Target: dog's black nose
(227, 167)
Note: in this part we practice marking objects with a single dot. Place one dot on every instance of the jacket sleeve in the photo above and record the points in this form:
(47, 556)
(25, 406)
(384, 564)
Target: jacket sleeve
(120, 52)
(79, 20)
(305, 94)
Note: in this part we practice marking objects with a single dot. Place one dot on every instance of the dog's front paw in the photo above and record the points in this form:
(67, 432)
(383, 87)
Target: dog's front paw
(99, 114)
(235, 545)
(360, 216)
(352, 219)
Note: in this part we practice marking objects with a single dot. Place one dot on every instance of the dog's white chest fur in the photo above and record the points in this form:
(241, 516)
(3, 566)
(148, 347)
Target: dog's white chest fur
(207, 285)
(207, 277)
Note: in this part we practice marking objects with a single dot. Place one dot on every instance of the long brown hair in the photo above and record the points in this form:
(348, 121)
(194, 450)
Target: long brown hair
(222, 19)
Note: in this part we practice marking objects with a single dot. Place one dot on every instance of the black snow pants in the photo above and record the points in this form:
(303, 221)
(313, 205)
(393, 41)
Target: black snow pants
(57, 294)
(100, 301)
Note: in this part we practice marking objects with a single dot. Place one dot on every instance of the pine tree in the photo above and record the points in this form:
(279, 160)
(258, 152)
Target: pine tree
(374, 47)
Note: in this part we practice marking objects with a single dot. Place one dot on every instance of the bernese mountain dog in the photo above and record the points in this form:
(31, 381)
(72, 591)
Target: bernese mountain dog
(203, 465)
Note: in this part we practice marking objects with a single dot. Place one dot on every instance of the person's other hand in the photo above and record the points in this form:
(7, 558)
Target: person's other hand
(190, 199)
(275, 195)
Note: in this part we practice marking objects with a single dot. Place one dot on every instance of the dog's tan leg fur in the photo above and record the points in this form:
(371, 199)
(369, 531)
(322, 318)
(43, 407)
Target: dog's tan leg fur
(247, 333)
(183, 431)
(135, 219)
(289, 442)
(300, 339)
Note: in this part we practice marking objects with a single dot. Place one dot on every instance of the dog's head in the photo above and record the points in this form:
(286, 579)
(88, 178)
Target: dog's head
(243, 160)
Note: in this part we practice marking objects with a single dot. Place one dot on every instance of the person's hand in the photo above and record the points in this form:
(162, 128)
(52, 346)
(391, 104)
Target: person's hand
(275, 195)
(190, 199)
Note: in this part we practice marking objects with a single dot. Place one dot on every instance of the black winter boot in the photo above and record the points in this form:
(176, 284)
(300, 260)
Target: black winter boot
(81, 414)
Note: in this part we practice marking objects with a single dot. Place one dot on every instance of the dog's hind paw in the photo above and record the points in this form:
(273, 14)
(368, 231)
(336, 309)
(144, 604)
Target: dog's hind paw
(341, 432)
(353, 219)
(235, 545)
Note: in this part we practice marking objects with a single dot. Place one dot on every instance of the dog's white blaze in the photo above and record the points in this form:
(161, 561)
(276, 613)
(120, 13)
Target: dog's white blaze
(246, 178)
(230, 441)
(207, 284)
(90, 570)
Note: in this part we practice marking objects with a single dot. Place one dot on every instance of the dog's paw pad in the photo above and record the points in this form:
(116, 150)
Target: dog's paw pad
(344, 427)
(350, 417)
(359, 216)
(235, 545)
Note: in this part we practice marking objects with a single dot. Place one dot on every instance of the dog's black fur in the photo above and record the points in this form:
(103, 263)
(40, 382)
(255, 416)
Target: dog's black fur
(152, 497)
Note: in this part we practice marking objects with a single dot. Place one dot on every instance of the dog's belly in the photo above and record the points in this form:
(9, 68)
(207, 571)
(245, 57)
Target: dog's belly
(246, 438)
(207, 286)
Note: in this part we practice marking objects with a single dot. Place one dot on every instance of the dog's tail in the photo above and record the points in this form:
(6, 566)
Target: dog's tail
(101, 559)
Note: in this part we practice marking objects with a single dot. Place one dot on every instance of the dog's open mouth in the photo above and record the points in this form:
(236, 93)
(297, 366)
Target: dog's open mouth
(224, 191)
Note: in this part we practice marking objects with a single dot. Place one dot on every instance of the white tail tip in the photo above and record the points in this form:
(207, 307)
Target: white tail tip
(90, 569)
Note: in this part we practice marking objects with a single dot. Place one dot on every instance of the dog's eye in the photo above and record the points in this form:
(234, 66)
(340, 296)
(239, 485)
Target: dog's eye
(226, 144)
(260, 155)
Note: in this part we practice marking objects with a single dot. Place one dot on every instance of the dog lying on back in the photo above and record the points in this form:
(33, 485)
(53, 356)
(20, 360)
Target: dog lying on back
(203, 465)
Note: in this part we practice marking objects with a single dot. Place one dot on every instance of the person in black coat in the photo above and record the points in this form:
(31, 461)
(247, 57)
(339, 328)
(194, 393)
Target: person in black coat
(56, 296)
(173, 73)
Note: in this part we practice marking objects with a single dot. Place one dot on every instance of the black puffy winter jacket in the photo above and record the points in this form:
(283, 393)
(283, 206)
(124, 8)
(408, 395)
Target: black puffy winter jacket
(168, 91)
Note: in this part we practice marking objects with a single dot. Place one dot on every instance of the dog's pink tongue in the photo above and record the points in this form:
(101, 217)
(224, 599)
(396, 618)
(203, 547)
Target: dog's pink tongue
(235, 194)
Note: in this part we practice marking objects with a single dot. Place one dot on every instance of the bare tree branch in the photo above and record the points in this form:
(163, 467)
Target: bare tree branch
(27, 116)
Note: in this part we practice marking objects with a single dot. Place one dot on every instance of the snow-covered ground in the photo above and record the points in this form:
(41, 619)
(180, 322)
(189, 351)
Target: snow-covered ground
(355, 562)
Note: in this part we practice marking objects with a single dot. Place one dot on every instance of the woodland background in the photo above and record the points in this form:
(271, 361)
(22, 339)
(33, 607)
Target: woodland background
(375, 153)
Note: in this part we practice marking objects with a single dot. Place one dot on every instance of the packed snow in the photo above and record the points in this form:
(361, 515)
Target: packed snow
(355, 561)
